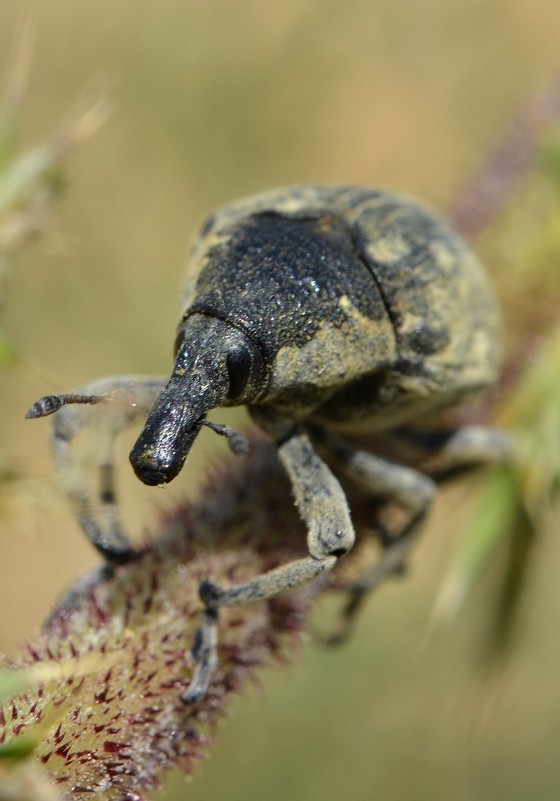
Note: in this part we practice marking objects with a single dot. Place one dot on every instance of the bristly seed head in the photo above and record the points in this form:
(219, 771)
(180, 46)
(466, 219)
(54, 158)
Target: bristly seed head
(95, 735)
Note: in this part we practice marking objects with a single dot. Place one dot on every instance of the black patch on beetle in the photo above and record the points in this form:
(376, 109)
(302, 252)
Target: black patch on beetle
(279, 279)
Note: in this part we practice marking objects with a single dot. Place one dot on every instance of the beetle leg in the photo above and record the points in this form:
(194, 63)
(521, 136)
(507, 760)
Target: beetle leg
(323, 508)
(450, 452)
(402, 485)
(105, 407)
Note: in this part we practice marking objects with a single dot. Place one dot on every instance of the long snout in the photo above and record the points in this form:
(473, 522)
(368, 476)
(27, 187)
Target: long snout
(171, 428)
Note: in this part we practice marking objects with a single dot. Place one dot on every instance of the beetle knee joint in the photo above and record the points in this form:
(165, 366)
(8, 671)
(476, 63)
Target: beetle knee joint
(331, 542)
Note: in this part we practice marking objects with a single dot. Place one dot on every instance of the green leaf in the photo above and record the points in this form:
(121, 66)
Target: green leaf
(13, 90)
(486, 532)
(18, 181)
(549, 154)
(14, 680)
(521, 541)
(19, 747)
(8, 354)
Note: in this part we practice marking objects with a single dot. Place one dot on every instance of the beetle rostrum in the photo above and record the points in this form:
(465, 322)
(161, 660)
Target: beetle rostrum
(213, 359)
(336, 314)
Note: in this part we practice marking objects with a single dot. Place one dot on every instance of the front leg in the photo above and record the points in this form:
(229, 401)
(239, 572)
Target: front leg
(323, 508)
(104, 407)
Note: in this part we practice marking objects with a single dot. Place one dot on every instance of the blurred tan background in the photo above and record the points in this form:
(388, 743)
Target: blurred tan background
(216, 100)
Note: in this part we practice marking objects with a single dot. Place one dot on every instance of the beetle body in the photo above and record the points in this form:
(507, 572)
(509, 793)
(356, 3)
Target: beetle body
(328, 311)
(363, 309)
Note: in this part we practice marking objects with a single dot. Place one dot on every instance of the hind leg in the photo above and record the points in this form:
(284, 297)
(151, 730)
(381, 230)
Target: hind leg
(449, 453)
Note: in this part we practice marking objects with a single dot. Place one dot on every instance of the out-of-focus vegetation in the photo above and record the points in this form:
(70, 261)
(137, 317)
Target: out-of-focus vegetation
(221, 99)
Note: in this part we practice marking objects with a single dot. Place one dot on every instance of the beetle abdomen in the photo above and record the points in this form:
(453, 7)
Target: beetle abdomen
(441, 304)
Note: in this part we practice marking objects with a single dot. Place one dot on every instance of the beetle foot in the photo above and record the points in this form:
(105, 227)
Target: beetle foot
(204, 654)
(122, 556)
(113, 545)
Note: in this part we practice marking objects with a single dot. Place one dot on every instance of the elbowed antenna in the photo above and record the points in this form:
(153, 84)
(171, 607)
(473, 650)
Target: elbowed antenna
(238, 442)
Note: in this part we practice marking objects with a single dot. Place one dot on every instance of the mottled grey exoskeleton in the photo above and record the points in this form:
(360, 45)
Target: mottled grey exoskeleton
(332, 312)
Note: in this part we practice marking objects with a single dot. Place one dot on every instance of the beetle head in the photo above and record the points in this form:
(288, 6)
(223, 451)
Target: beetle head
(215, 365)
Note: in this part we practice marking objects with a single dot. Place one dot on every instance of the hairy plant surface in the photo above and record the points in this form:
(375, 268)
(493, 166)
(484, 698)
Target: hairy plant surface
(114, 721)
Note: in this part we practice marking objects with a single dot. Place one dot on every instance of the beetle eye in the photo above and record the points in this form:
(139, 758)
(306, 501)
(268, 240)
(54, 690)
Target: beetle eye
(238, 363)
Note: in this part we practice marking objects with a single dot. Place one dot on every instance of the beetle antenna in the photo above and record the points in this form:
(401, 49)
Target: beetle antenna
(50, 404)
(238, 442)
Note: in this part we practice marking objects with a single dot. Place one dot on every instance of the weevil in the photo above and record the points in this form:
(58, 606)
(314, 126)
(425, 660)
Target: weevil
(334, 313)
